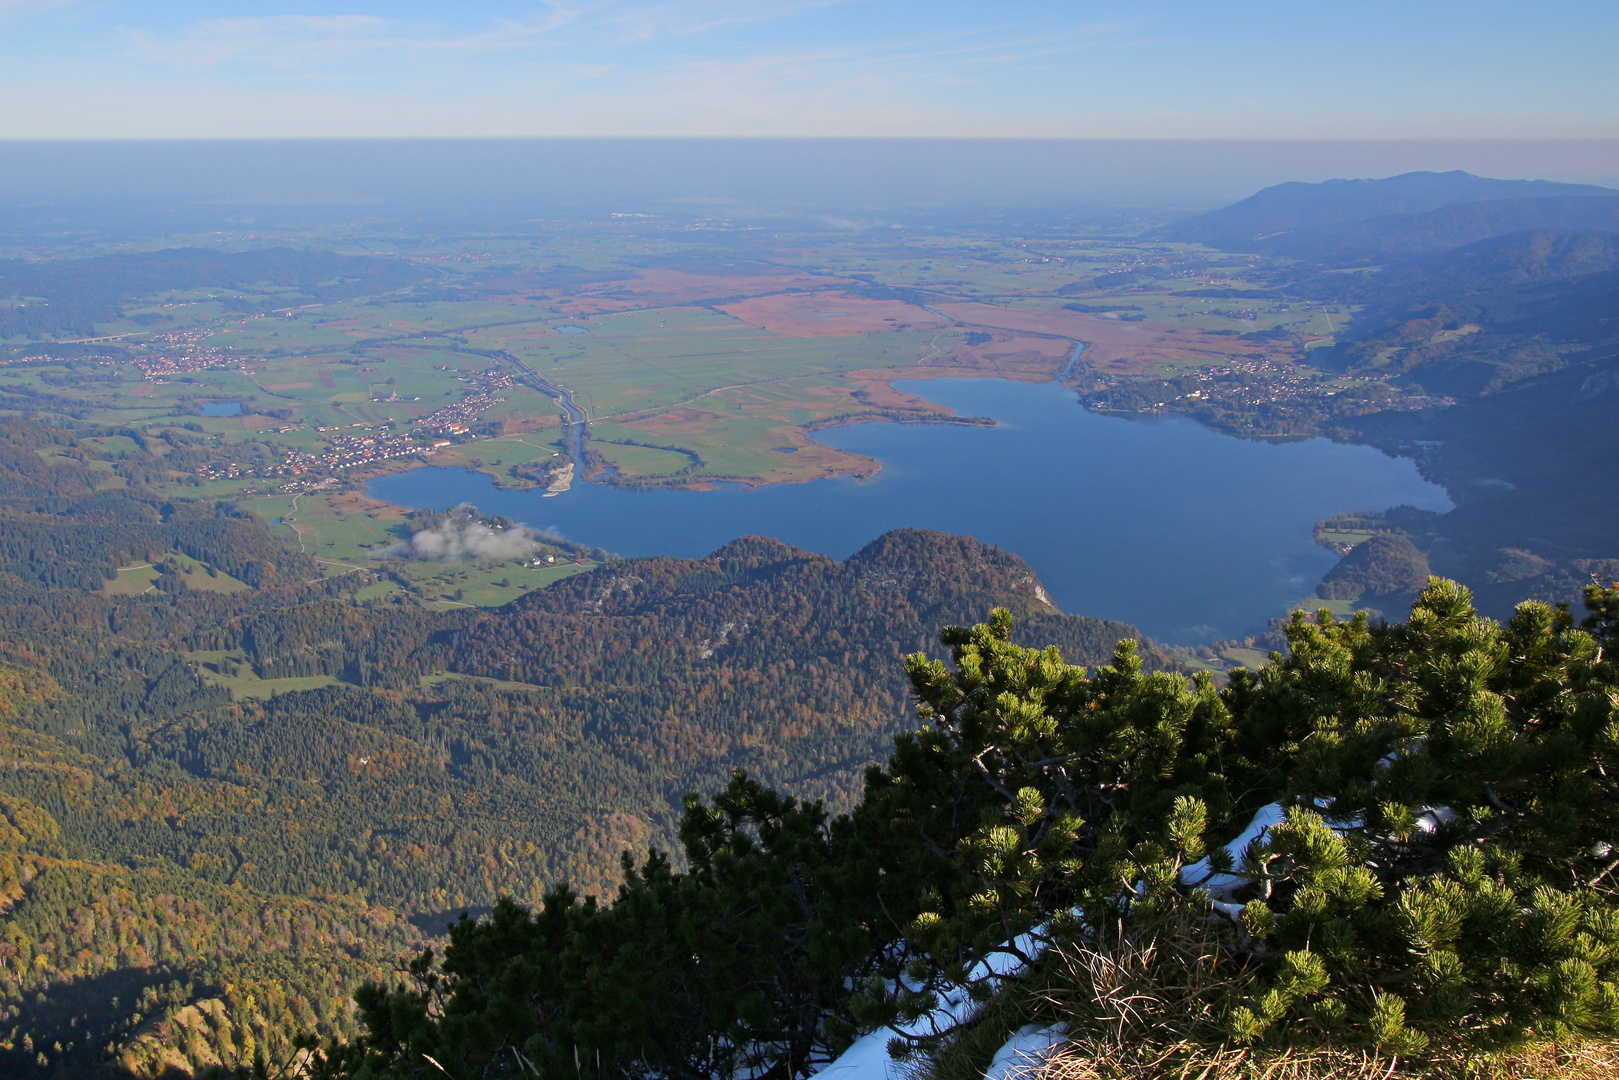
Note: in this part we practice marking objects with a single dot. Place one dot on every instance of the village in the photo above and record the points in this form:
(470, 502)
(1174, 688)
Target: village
(457, 420)
(360, 443)
(183, 353)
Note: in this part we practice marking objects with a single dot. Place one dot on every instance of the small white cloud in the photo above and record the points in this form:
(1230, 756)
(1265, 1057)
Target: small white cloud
(460, 537)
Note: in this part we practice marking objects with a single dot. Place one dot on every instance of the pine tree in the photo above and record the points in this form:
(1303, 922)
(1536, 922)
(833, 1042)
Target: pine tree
(1033, 804)
(1440, 874)
(1446, 862)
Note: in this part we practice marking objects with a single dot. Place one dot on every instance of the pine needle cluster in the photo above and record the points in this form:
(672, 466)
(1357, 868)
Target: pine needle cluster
(1395, 849)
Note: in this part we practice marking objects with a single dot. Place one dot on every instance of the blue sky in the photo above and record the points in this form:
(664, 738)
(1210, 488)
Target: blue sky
(1420, 69)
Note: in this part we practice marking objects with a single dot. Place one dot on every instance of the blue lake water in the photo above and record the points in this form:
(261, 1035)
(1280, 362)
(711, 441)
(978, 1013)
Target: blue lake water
(1191, 535)
(220, 408)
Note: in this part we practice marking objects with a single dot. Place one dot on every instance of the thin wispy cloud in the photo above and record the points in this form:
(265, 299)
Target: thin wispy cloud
(12, 11)
(1172, 68)
(986, 47)
(807, 79)
(313, 41)
(286, 41)
(280, 40)
(682, 18)
(650, 68)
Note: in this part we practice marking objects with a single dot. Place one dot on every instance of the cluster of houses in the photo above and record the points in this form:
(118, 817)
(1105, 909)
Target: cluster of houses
(347, 451)
(456, 420)
(344, 448)
(184, 352)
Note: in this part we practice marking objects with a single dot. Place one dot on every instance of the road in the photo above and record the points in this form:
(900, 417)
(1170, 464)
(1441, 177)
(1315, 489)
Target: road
(578, 422)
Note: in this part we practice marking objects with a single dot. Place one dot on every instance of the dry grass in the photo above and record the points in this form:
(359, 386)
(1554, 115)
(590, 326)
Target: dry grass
(1111, 345)
(830, 314)
(1588, 1061)
(1186, 1061)
(1162, 986)
(1148, 1005)
(1106, 1061)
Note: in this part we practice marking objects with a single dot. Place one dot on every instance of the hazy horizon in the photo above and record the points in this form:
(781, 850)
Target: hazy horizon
(741, 178)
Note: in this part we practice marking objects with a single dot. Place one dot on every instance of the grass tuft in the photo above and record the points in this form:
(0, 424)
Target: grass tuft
(1148, 1004)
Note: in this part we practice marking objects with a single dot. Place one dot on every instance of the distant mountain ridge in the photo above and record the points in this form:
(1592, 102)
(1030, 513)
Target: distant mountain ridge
(1397, 217)
(1399, 237)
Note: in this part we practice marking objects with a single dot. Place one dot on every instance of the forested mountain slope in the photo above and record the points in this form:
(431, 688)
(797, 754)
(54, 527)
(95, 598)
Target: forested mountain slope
(1395, 238)
(1538, 512)
(1295, 218)
(1499, 302)
(1387, 854)
(190, 878)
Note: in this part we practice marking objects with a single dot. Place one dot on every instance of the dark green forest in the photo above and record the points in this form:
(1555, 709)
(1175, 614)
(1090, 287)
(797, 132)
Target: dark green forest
(1433, 896)
(192, 880)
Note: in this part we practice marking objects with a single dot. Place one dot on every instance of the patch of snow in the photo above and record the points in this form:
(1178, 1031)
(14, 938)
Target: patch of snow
(1221, 886)
(1434, 816)
(1025, 1051)
(867, 1059)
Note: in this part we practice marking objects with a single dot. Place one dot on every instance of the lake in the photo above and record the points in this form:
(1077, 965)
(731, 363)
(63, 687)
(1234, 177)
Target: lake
(1191, 535)
(220, 408)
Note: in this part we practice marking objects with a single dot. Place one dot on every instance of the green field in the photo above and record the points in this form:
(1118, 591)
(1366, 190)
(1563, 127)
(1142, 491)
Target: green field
(472, 585)
(345, 533)
(697, 363)
(135, 580)
(230, 669)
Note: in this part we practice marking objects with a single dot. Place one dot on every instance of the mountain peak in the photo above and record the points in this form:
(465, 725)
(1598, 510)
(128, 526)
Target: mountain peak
(1297, 205)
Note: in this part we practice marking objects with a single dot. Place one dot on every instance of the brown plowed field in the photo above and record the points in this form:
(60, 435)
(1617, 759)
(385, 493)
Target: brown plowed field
(1008, 355)
(1111, 344)
(677, 288)
(830, 314)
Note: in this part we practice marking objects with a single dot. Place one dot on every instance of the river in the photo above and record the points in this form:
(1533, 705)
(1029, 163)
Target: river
(1189, 534)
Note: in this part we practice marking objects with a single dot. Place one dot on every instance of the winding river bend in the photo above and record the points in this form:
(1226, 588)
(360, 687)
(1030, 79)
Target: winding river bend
(1189, 534)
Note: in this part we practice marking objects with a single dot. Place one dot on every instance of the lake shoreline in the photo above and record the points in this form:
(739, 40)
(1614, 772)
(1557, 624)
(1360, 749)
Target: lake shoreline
(1191, 534)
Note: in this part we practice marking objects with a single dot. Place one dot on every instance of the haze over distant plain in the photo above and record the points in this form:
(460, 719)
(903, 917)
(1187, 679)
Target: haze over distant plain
(847, 183)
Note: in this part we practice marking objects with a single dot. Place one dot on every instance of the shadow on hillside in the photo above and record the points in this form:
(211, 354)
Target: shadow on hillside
(437, 923)
(75, 1018)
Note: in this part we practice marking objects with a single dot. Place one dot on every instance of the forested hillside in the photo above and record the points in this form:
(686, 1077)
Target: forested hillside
(1397, 216)
(191, 878)
(1495, 304)
(1387, 854)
